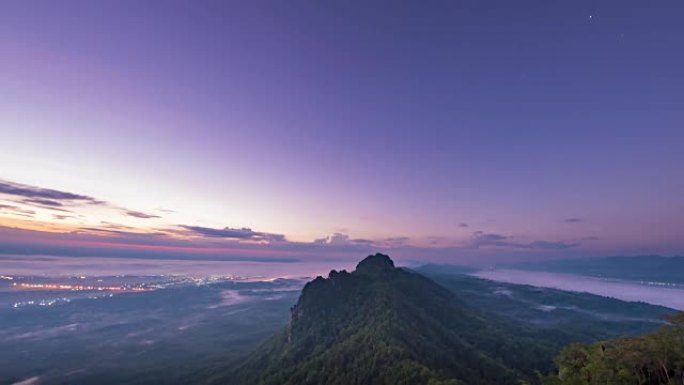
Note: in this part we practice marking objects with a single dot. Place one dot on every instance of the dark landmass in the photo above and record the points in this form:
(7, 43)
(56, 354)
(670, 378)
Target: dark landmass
(378, 324)
(385, 325)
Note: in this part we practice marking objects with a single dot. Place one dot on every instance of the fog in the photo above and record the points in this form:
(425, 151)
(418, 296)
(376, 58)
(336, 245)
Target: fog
(623, 290)
(97, 266)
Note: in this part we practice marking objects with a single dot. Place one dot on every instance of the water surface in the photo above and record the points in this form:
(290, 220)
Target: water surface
(624, 290)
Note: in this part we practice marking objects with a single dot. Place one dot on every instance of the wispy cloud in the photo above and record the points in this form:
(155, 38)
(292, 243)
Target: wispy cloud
(338, 239)
(244, 233)
(396, 241)
(61, 201)
(481, 239)
(103, 242)
(573, 220)
(97, 229)
(42, 202)
(333, 239)
(16, 210)
(550, 245)
(45, 198)
(38, 193)
(138, 214)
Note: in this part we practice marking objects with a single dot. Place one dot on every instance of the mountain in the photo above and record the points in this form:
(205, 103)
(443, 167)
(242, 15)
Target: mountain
(385, 325)
(651, 268)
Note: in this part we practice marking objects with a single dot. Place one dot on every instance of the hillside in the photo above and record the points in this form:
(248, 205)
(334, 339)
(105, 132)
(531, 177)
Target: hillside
(655, 358)
(384, 325)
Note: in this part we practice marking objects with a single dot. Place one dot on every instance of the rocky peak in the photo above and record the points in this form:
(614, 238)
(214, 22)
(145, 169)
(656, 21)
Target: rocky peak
(375, 263)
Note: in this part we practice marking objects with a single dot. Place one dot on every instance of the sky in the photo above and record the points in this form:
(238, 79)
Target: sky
(465, 132)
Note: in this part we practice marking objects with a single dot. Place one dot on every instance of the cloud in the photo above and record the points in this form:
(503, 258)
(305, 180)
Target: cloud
(103, 242)
(396, 241)
(45, 204)
(116, 226)
(42, 202)
(481, 239)
(362, 241)
(57, 200)
(16, 210)
(245, 244)
(32, 192)
(244, 233)
(462, 225)
(138, 214)
(21, 214)
(573, 220)
(548, 245)
(97, 229)
(333, 239)
(341, 239)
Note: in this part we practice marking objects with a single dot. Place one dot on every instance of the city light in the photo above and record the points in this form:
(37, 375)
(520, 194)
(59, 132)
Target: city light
(62, 286)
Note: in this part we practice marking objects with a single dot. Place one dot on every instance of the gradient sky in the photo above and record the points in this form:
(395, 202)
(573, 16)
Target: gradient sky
(458, 131)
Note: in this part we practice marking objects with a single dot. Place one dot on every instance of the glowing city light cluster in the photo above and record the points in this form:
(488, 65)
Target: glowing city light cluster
(63, 286)
(42, 302)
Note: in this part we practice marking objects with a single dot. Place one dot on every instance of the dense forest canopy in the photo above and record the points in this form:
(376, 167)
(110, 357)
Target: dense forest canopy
(652, 359)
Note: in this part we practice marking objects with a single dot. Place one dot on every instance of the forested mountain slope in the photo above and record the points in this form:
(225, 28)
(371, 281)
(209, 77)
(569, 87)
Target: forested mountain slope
(652, 359)
(385, 325)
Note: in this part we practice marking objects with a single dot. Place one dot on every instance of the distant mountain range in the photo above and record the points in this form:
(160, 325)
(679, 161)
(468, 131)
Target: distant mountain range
(651, 268)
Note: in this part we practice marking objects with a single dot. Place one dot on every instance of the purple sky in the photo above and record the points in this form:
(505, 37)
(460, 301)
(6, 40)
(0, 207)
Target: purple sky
(458, 131)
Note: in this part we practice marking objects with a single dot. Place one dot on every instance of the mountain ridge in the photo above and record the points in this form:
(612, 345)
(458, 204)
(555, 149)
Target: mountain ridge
(381, 324)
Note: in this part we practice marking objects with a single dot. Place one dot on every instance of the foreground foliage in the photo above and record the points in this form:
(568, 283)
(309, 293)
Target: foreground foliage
(652, 359)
